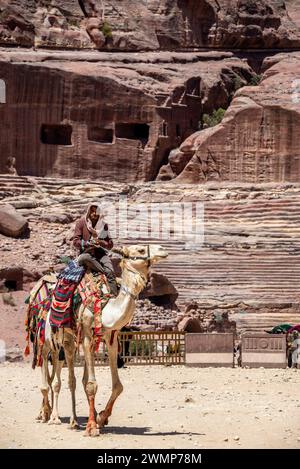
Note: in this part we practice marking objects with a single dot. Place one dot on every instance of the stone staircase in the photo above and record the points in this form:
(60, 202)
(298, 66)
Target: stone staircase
(15, 186)
(251, 250)
(56, 195)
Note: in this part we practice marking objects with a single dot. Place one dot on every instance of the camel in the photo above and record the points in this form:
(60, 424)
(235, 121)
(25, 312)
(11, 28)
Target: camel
(117, 313)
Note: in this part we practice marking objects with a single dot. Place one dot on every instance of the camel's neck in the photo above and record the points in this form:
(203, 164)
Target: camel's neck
(133, 280)
(119, 311)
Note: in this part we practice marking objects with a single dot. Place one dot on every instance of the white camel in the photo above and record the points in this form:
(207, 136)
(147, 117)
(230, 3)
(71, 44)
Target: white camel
(117, 313)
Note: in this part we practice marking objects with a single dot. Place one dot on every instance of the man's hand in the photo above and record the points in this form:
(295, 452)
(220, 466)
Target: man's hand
(99, 242)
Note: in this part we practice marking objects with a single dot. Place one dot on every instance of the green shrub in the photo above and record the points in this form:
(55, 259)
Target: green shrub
(214, 119)
(238, 83)
(255, 80)
(106, 29)
(74, 22)
(138, 348)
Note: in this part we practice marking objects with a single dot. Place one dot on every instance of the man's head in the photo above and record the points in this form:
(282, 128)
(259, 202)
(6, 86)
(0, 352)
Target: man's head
(94, 213)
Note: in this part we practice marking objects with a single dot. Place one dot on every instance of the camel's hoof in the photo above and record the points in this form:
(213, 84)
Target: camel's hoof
(54, 421)
(94, 432)
(91, 431)
(74, 425)
(45, 418)
(102, 420)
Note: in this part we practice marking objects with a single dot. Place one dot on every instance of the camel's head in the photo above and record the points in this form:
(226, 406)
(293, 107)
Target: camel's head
(142, 255)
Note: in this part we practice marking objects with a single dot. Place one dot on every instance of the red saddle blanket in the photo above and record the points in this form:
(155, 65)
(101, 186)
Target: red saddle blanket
(61, 309)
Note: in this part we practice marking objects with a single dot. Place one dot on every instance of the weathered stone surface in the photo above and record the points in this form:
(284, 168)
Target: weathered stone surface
(110, 116)
(161, 289)
(121, 117)
(188, 324)
(63, 219)
(135, 25)
(257, 139)
(11, 222)
(248, 265)
(267, 350)
(15, 278)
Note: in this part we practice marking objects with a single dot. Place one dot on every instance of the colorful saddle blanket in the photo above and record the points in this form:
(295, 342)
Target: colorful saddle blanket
(61, 308)
(62, 298)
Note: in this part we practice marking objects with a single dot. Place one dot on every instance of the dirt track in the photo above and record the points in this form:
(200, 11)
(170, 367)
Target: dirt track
(161, 407)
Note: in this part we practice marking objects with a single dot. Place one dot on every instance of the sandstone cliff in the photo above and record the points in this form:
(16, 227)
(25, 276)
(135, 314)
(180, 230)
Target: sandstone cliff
(113, 116)
(127, 25)
(257, 139)
(100, 99)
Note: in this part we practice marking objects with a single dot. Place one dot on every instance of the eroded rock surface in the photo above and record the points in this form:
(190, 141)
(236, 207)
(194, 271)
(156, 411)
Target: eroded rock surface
(130, 25)
(257, 138)
(107, 116)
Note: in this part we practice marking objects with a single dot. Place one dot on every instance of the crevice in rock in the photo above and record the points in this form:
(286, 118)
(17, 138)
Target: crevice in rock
(82, 6)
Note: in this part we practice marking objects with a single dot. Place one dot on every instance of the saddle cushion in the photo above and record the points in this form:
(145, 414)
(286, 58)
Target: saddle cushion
(61, 309)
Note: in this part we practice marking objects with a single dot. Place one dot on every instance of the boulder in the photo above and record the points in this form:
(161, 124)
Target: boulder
(188, 324)
(160, 290)
(61, 218)
(11, 222)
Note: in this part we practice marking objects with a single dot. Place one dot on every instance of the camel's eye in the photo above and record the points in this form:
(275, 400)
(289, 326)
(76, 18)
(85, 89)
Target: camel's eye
(141, 251)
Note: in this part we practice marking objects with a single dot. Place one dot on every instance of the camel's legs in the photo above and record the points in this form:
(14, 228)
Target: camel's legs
(84, 383)
(69, 347)
(117, 387)
(45, 411)
(54, 419)
(85, 379)
(89, 378)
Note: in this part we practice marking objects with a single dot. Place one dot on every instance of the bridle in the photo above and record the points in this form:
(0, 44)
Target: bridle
(134, 258)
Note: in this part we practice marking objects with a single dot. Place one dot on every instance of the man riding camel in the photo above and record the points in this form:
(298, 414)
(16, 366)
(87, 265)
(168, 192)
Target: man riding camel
(92, 241)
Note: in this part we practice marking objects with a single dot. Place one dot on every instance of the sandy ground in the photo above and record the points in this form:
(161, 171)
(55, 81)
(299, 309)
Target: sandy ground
(161, 407)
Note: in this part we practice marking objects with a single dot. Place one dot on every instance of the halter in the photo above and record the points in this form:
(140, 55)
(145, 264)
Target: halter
(148, 258)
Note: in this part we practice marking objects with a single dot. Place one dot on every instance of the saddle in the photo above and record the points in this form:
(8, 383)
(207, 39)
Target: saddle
(63, 298)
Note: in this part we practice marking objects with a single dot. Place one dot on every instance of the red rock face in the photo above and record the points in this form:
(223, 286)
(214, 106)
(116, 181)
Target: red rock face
(257, 139)
(113, 117)
(130, 25)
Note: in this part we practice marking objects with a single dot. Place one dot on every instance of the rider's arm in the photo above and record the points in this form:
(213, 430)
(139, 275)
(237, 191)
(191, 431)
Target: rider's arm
(78, 241)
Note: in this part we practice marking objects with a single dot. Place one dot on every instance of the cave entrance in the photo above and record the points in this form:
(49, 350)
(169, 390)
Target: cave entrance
(11, 285)
(101, 135)
(193, 87)
(56, 134)
(133, 132)
(167, 300)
